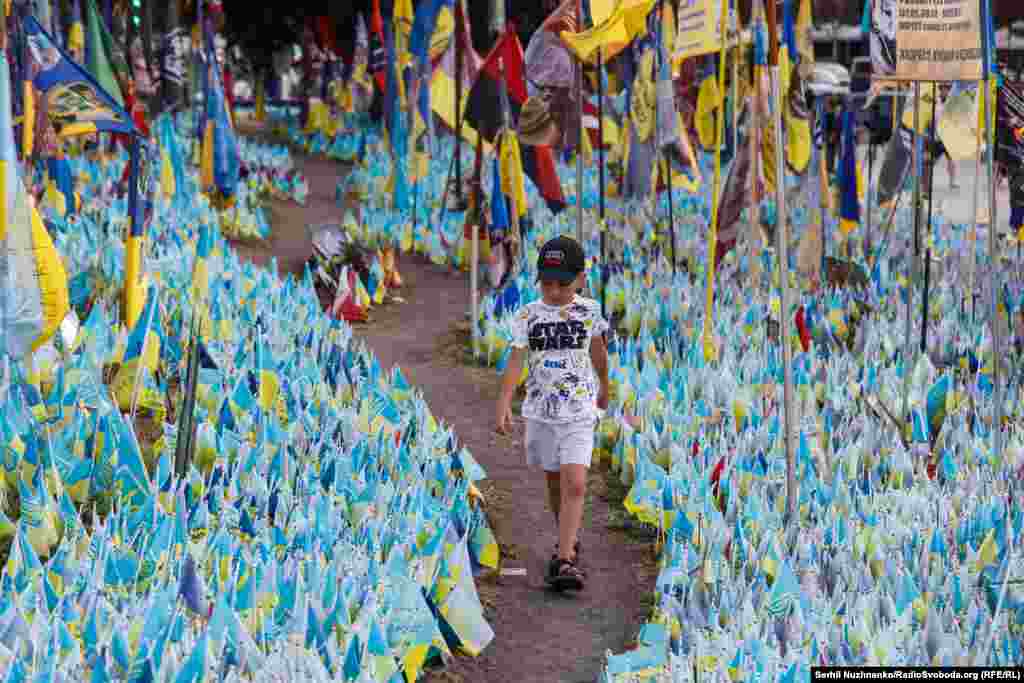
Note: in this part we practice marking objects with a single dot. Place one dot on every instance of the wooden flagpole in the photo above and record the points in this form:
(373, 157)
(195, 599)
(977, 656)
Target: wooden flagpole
(782, 256)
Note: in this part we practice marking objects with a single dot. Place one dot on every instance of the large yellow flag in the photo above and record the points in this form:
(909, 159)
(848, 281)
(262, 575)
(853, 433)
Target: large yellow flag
(512, 184)
(613, 35)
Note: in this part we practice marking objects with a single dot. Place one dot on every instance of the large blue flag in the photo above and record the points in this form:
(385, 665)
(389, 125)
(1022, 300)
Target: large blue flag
(76, 102)
(220, 158)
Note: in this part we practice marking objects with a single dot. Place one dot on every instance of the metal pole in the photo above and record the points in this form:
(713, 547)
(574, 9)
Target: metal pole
(474, 255)
(735, 85)
(972, 238)
(867, 217)
(600, 182)
(459, 23)
(579, 141)
(665, 153)
(997, 333)
(908, 347)
(782, 250)
(928, 249)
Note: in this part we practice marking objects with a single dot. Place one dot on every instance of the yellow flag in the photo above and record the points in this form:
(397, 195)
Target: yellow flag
(442, 101)
(167, 182)
(613, 36)
(601, 10)
(708, 101)
(587, 148)
(924, 121)
(444, 28)
(512, 184)
(987, 553)
(403, 19)
(54, 198)
(28, 118)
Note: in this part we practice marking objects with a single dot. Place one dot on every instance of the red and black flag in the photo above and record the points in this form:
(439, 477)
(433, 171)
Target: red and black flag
(484, 113)
(378, 57)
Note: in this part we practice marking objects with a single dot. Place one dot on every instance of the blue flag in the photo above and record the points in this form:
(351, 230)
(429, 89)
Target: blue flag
(499, 210)
(76, 102)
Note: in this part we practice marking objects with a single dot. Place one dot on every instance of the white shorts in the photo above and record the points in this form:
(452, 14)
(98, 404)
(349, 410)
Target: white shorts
(549, 446)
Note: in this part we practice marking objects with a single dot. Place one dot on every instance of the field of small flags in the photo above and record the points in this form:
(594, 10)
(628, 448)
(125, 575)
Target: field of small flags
(904, 552)
(320, 525)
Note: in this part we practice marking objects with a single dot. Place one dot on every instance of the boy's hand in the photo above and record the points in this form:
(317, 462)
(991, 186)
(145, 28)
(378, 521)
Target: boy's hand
(504, 418)
(602, 397)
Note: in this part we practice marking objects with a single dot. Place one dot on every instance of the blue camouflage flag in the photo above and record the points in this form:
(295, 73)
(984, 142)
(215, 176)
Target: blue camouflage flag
(76, 102)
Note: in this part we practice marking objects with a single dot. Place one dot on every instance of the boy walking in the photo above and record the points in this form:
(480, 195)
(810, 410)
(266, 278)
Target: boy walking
(561, 337)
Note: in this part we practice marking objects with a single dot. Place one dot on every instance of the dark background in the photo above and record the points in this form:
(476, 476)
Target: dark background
(267, 28)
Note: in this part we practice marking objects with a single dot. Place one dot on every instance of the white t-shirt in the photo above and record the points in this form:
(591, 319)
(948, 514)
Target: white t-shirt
(560, 386)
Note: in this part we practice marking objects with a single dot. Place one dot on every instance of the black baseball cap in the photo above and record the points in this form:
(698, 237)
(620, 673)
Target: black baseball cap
(560, 259)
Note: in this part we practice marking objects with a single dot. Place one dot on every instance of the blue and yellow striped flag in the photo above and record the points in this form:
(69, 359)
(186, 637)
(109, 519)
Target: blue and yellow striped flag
(849, 204)
(220, 162)
(269, 382)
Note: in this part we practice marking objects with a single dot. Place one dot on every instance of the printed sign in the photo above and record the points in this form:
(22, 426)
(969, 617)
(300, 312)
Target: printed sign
(700, 23)
(926, 40)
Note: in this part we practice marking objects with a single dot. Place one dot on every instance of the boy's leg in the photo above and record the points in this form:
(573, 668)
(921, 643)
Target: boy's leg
(554, 492)
(575, 451)
(573, 486)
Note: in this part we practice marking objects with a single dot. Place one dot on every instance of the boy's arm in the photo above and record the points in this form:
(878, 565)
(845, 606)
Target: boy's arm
(509, 382)
(599, 359)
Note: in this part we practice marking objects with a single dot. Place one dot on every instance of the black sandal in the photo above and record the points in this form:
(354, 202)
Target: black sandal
(575, 552)
(565, 575)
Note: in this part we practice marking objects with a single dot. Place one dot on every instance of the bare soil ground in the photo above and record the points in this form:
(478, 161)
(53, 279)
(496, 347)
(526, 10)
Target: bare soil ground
(540, 636)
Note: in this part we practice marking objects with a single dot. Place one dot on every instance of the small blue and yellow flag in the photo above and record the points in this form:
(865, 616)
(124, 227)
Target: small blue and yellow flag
(269, 382)
(849, 203)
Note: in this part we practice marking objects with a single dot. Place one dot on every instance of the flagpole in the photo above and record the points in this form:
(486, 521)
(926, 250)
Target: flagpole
(927, 243)
(908, 346)
(972, 238)
(782, 249)
(665, 153)
(993, 226)
(867, 218)
(988, 50)
(579, 140)
(735, 21)
(600, 182)
(457, 154)
(710, 352)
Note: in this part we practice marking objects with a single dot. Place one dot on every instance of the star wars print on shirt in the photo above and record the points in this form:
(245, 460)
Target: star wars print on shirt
(560, 384)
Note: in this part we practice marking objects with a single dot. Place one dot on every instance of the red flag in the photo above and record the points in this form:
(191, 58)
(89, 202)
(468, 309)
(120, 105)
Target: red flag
(716, 477)
(801, 326)
(483, 112)
(377, 32)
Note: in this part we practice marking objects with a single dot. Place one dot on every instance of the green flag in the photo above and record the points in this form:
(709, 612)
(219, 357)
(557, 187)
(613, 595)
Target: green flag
(99, 49)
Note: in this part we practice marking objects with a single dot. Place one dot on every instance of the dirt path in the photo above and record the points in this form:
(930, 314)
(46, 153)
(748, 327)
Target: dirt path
(540, 637)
